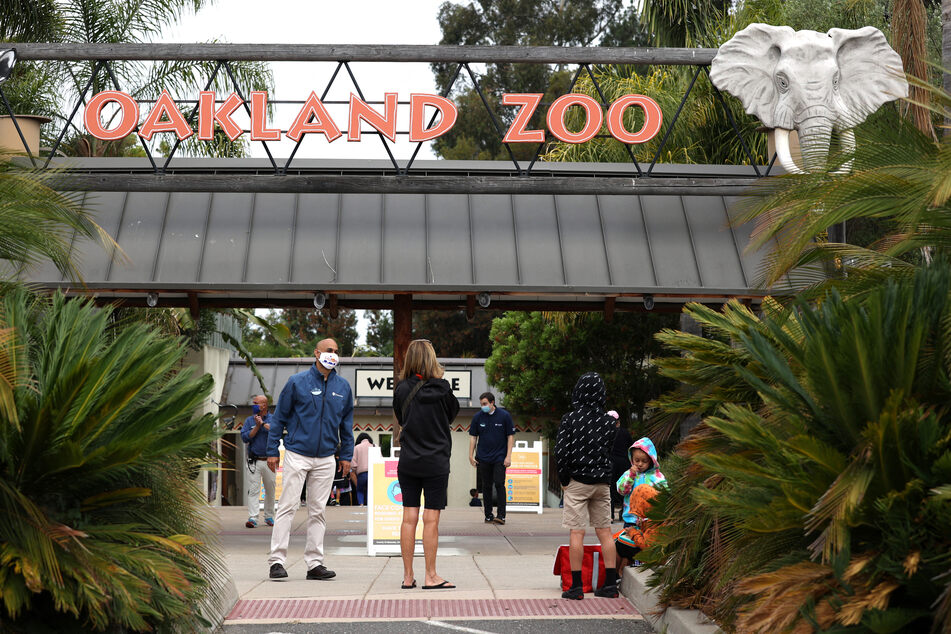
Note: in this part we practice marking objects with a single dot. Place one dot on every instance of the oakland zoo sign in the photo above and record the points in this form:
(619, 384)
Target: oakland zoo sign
(313, 117)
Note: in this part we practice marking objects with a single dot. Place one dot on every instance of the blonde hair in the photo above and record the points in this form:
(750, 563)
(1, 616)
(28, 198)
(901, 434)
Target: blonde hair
(421, 359)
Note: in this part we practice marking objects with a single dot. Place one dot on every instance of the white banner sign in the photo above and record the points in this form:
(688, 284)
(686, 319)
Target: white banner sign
(379, 383)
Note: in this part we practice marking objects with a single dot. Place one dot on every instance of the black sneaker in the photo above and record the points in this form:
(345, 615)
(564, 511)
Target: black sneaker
(606, 591)
(499, 520)
(488, 520)
(576, 593)
(321, 573)
(278, 572)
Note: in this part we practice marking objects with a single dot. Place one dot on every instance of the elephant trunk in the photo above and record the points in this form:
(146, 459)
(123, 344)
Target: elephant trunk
(815, 130)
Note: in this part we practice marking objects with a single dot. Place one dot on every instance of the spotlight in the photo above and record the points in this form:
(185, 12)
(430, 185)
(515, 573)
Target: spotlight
(7, 61)
(152, 299)
(648, 302)
(319, 300)
(484, 299)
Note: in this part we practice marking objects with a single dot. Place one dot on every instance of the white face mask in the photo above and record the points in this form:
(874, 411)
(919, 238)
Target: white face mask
(328, 360)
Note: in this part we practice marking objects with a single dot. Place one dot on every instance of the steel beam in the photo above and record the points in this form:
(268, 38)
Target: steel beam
(366, 53)
(409, 184)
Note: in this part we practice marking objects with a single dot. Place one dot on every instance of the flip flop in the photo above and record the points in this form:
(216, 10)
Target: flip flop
(445, 585)
(408, 587)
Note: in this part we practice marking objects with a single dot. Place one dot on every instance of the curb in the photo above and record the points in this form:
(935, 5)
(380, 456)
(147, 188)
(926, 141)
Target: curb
(670, 621)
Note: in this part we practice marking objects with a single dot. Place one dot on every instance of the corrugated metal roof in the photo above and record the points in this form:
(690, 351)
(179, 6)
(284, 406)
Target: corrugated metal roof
(273, 246)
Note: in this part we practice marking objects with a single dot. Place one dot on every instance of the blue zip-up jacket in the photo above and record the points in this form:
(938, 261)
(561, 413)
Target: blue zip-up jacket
(258, 444)
(317, 415)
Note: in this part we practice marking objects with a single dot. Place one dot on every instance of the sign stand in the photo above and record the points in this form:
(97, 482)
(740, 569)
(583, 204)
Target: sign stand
(523, 479)
(385, 506)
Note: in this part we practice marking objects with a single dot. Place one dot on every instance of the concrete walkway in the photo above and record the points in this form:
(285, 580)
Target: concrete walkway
(500, 572)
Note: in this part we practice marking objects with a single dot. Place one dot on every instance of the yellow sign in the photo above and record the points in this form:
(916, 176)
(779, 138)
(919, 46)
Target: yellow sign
(385, 507)
(278, 481)
(523, 479)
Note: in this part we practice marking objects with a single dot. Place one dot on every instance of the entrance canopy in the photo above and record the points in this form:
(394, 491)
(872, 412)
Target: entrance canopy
(546, 251)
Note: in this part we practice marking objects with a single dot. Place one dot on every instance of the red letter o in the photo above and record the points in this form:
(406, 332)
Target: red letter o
(653, 119)
(593, 118)
(127, 122)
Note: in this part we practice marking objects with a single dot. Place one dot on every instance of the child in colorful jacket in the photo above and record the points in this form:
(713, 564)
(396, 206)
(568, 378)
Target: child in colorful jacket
(638, 486)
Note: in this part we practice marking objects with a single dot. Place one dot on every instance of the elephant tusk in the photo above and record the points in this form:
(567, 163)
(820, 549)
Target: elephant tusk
(847, 138)
(782, 151)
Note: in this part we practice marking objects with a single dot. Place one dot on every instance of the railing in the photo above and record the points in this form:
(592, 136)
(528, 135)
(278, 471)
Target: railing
(523, 178)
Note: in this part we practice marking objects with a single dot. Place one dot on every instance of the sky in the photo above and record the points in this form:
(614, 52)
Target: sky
(352, 22)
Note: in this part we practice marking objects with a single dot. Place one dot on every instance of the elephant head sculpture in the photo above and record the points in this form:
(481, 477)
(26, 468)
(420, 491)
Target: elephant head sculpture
(810, 82)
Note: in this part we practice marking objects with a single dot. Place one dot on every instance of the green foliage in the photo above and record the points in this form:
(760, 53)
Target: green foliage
(453, 335)
(536, 362)
(379, 334)
(102, 525)
(898, 182)
(301, 330)
(38, 223)
(525, 23)
(811, 489)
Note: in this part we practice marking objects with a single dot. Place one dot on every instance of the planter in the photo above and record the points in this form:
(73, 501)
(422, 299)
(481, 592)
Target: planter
(10, 142)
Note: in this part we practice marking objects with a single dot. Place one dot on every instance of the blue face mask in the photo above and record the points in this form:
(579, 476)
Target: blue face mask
(486, 408)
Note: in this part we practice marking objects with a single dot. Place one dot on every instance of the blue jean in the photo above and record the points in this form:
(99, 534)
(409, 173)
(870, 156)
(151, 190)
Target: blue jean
(362, 479)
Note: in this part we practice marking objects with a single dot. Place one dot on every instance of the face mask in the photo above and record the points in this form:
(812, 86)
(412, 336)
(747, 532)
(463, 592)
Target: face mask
(486, 408)
(328, 360)
(256, 408)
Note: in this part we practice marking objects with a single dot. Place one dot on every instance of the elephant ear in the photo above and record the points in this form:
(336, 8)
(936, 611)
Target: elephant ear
(870, 72)
(744, 67)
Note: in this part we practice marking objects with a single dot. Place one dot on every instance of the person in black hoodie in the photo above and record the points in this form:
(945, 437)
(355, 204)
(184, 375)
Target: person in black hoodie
(583, 458)
(424, 406)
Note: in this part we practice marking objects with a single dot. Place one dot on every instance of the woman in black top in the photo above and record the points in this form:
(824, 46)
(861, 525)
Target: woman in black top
(424, 406)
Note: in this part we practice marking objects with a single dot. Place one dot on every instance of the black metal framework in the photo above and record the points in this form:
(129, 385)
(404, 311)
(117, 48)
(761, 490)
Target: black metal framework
(402, 177)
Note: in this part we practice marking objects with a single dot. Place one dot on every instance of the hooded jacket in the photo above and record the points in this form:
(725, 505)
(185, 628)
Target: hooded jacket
(425, 436)
(629, 481)
(585, 435)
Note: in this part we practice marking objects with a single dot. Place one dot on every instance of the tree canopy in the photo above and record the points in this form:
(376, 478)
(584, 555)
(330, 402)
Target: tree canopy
(535, 361)
(304, 329)
(526, 23)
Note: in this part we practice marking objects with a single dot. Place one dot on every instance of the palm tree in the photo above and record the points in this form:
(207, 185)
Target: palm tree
(102, 525)
(899, 182)
(811, 493)
(38, 223)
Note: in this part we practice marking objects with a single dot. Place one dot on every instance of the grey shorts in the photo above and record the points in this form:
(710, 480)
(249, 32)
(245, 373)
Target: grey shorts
(586, 505)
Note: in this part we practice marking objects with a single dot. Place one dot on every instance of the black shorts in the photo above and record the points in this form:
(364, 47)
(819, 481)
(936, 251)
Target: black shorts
(433, 487)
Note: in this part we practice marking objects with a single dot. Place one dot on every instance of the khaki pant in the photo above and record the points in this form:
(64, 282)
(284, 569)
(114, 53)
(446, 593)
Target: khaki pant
(260, 473)
(586, 504)
(318, 475)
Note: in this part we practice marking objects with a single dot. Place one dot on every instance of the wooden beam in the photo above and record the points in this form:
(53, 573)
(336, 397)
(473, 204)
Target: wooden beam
(334, 306)
(366, 53)
(609, 309)
(193, 307)
(402, 334)
(377, 184)
(470, 307)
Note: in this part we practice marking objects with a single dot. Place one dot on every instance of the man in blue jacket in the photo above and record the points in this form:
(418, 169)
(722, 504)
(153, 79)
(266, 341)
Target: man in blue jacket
(254, 434)
(316, 409)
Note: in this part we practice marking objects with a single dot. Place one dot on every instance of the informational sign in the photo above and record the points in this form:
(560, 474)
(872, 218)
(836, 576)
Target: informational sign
(278, 483)
(379, 383)
(385, 507)
(523, 480)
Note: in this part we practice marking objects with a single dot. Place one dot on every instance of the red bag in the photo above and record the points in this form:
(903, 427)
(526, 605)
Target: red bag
(592, 567)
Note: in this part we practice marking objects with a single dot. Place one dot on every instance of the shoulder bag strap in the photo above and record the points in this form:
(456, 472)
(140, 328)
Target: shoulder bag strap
(409, 399)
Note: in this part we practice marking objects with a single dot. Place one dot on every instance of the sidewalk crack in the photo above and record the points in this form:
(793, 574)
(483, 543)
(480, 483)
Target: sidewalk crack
(486, 577)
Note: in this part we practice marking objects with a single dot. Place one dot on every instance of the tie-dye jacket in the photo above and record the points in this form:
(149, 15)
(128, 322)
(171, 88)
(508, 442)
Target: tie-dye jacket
(628, 481)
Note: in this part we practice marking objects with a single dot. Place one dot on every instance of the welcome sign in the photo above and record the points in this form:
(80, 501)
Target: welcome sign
(313, 117)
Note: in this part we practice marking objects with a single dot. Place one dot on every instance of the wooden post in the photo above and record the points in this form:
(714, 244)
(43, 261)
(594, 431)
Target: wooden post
(402, 334)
